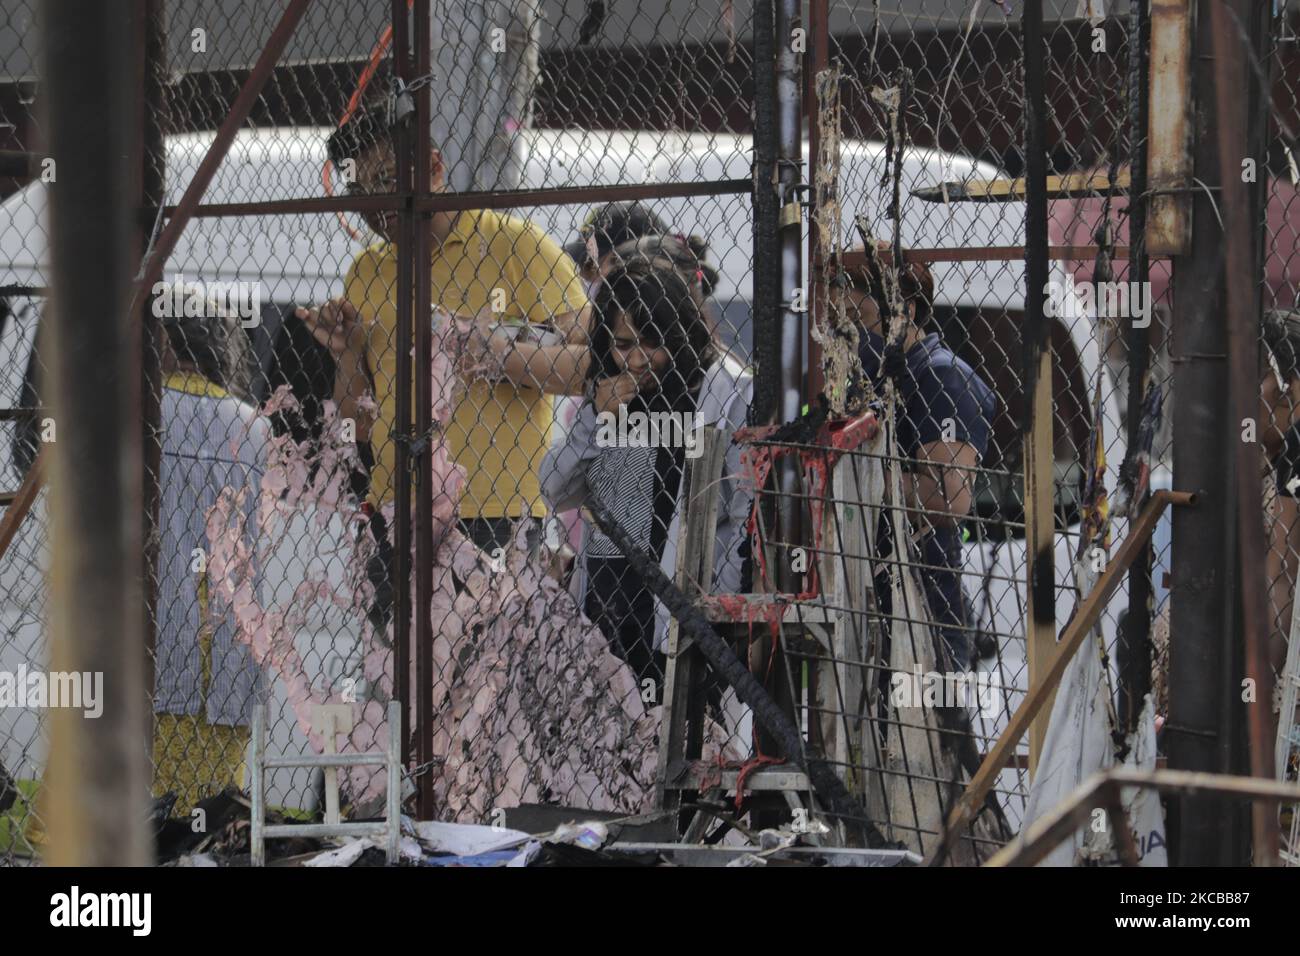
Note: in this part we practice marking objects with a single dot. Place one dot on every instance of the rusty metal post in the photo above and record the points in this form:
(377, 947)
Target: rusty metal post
(149, 198)
(423, 420)
(1203, 829)
(1242, 212)
(401, 432)
(98, 772)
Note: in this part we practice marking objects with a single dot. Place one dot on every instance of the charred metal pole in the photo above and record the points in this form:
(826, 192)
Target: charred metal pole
(767, 239)
(1203, 830)
(1242, 211)
(814, 64)
(97, 778)
(789, 123)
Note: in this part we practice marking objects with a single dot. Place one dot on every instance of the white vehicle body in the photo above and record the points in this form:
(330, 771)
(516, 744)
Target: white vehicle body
(303, 258)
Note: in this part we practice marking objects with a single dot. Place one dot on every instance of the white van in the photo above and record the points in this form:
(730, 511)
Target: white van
(301, 259)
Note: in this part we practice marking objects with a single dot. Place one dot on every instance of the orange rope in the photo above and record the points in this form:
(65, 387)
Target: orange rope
(368, 74)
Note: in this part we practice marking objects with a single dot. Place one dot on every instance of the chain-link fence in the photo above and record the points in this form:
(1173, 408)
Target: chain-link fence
(1276, 62)
(293, 473)
(467, 272)
(22, 581)
(941, 89)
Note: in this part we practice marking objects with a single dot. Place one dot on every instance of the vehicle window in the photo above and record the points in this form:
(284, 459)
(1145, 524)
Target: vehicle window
(989, 341)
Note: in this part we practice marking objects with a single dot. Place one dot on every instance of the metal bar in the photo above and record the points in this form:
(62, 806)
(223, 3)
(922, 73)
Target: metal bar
(34, 291)
(1126, 848)
(426, 807)
(19, 164)
(449, 202)
(1040, 691)
(1044, 834)
(819, 34)
(150, 195)
(257, 787)
(401, 430)
(766, 404)
(1198, 732)
(393, 792)
(1067, 186)
(777, 777)
(326, 760)
(273, 830)
(1036, 430)
(293, 207)
(1170, 124)
(858, 259)
(226, 133)
(23, 500)
(98, 775)
(1134, 652)
(1244, 268)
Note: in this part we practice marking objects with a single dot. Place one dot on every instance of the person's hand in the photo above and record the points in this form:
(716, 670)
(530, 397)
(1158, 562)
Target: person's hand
(338, 326)
(615, 391)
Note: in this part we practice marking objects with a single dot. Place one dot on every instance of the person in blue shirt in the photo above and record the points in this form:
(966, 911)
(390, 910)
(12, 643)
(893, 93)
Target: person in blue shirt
(943, 419)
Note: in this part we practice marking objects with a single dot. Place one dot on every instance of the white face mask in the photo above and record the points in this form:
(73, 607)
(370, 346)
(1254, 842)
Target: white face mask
(592, 288)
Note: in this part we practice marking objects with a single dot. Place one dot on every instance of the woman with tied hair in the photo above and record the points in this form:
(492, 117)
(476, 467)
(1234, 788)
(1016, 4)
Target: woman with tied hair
(685, 254)
(653, 352)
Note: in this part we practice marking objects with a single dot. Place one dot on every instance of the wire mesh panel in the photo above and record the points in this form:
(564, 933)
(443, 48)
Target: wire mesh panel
(305, 517)
(25, 428)
(1276, 65)
(930, 119)
(468, 272)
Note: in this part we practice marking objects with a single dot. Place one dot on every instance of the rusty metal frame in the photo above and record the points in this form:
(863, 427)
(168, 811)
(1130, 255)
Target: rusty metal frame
(220, 145)
(448, 202)
(415, 205)
(1243, 262)
(422, 220)
(858, 259)
(1169, 127)
(401, 428)
(1042, 689)
(1104, 791)
(21, 502)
